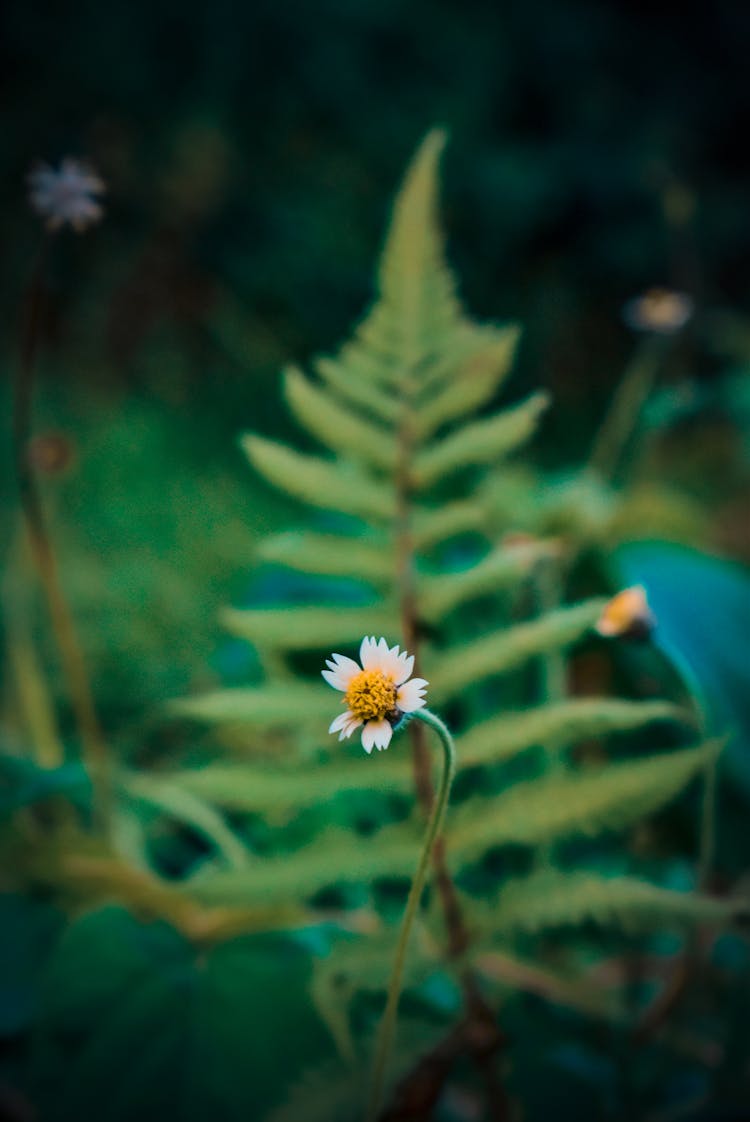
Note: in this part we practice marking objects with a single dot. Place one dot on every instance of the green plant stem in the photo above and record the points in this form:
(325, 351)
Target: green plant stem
(43, 552)
(625, 409)
(388, 1023)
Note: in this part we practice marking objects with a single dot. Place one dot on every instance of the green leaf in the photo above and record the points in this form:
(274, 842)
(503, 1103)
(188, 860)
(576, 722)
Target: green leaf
(338, 373)
(303, 628)
(337, 857)
(252, 788)
(551, 898)
(586, 802)
(502, 651)
(483, 442)
(329, 555)
(321, 483)
(431, 527)
(567, 722)
(30, 930)
(472, 370)
(243, 787)
(338, 428)
(277, 705)
(418, 306)
(182, 805)
(503, 568)
(135, 1023)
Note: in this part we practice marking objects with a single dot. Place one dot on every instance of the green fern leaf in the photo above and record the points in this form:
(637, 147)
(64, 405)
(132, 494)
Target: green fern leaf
(472, 371)
(303, 628)
(244, 787)
(321, 483)
(501, 738)
(587, 802)
(506, 650)
(339, 376)
(552, 898)
(433, 527)
(483, 442)
(338, 857)
(338, 428)
(279, 706)
(500, 569)
(176, 802)
(329, 555)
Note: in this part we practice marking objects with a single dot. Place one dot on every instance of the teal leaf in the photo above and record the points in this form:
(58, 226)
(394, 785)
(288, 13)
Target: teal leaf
(702, 608)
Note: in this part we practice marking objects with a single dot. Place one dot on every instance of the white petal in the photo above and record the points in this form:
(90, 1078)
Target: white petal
(345, 668)
(409, 697)
(391, 662)
(368, 653)
(404, 669)
(376, 734)
(342, 720)
(349, 728)
(335, 679)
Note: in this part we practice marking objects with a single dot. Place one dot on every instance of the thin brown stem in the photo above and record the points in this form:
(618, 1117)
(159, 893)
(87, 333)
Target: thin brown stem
(42, 548)
(482, 1038)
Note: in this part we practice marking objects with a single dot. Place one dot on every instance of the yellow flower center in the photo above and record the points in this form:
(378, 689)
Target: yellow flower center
(371, 696)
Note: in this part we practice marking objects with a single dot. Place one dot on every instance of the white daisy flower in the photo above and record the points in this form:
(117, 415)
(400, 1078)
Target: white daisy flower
(66, 194)
(376, 694)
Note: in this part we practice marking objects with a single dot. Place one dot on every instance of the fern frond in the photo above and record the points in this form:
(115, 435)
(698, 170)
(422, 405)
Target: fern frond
(184, 806)
(552, 898)
(326, 484)
(433, 527)
(242, 787)
(338, 375)
(329, 555)
(337, 427)
(500, 569)
(588, 802)
(501, 738)
(337, 858)
(506, 650)
(418, 307)
(476, 365)
(270, 706)
(483, 442)
(252, 788)
(303, 628)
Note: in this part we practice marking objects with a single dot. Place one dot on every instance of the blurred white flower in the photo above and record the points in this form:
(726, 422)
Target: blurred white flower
(67, 194)
(660, 310)
(377, 694)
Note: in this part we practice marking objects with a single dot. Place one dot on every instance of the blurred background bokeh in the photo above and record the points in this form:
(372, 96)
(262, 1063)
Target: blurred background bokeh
(597, 151)
(251, 152)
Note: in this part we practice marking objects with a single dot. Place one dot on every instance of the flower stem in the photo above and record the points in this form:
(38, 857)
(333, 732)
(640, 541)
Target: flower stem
(388, 1023)
(45, 558)
(625, 409)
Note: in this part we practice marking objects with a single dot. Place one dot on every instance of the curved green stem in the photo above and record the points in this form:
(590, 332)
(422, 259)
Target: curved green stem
(388, 1023)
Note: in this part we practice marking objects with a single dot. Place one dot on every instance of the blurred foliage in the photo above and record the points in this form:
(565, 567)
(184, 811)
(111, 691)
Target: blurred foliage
(253, 876)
